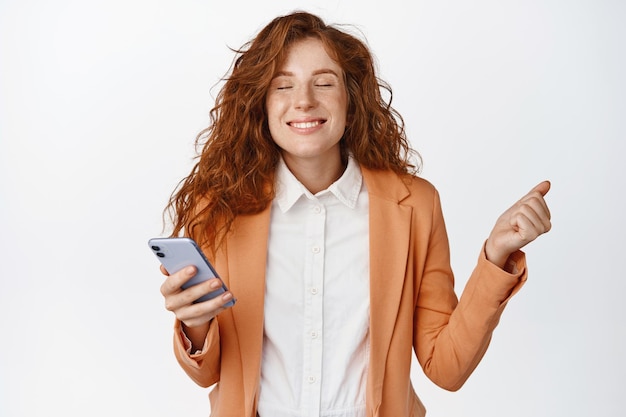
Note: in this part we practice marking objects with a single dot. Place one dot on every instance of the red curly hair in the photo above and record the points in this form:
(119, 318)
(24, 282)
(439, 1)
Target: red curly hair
(235, 171)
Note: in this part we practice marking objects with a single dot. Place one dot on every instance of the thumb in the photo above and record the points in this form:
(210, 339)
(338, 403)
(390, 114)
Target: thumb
(543, 188)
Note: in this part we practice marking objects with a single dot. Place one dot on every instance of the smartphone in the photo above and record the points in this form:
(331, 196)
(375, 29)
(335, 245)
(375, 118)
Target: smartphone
(176, 253)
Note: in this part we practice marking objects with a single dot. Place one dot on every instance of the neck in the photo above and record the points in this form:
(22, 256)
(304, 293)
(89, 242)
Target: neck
(316, 175)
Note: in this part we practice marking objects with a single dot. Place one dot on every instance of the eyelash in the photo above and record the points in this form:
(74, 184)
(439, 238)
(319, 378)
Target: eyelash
(316, 85)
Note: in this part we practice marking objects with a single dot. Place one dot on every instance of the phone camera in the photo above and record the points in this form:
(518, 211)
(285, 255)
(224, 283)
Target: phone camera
(160, 254)
(156, 248)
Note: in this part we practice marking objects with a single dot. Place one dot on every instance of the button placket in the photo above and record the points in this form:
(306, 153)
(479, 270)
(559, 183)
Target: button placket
(314, 301)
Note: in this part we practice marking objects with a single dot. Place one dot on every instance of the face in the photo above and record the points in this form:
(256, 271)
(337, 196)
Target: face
(307, 105)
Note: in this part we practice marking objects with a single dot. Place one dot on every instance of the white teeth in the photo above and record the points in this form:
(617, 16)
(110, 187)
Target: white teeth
(305, 125)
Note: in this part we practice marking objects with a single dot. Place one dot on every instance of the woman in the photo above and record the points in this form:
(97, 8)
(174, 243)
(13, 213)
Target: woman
(306, 201)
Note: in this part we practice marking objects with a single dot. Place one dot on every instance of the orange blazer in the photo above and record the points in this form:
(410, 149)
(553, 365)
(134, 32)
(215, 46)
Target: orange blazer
(412, 305)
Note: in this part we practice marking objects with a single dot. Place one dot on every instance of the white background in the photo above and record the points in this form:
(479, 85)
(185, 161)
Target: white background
(100, 102)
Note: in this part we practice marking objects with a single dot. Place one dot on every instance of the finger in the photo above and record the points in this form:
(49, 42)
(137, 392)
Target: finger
(531, 222)
(199, 313)
(542, 188)
(536, 197)
(539, 205)
(164, 271)
(182, 298)
(173, 283)
(191, 294)
(526, 231)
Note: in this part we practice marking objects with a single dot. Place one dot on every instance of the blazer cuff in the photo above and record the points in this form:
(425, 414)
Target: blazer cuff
(182, 344)
(502, 283)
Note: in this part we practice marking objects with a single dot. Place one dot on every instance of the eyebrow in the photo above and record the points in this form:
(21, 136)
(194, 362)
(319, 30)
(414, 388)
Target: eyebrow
(316, 72)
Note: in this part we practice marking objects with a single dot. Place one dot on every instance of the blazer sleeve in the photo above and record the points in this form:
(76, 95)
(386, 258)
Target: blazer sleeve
(450, 336)
(202, 367)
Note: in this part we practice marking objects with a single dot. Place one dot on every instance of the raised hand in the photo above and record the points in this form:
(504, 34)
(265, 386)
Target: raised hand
(519, 225)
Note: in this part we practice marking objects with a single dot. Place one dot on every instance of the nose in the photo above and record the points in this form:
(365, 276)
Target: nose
(304, 98)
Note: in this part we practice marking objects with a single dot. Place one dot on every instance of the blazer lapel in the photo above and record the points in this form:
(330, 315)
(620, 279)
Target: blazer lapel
(247, 255)
(389, 245)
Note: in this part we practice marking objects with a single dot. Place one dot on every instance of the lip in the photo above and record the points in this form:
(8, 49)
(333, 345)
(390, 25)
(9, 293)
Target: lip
(306, 125)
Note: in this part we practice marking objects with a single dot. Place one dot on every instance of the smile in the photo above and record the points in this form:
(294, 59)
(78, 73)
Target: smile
(305, 125)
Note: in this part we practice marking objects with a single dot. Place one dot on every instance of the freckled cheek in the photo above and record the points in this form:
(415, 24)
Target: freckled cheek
(275, 108)
(272, 114)
(275, 125)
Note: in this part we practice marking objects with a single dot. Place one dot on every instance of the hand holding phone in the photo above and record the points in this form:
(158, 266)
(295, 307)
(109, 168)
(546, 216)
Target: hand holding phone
(180, 252)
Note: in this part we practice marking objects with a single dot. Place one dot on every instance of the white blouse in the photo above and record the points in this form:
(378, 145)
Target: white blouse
(316, 325)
